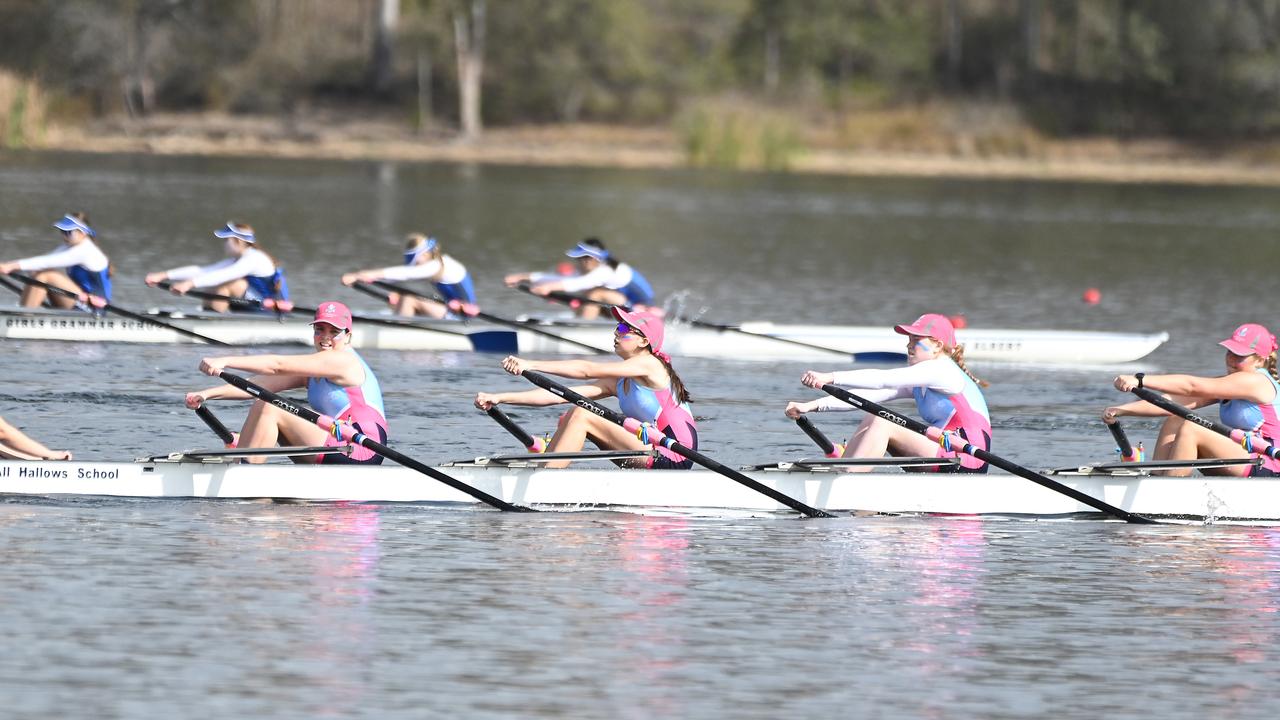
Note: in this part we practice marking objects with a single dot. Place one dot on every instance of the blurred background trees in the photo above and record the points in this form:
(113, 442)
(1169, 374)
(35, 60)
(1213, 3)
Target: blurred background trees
(1198, 70)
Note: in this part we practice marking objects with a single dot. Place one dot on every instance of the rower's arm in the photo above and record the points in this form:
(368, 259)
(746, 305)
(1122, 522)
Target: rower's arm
(341, 367)
(274, 383)
(540, 397)
(635, 367)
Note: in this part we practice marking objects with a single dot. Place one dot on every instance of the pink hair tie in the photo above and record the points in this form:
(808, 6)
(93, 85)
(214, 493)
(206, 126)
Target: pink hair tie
(662, 356)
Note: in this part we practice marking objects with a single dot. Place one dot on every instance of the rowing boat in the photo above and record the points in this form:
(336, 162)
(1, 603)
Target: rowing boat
(743, 342)
(520, 480)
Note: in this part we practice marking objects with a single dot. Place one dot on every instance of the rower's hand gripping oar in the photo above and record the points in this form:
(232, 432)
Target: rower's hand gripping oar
(1251, 442)
(830, 449)
(530, 327)
(969, 449)
(96, 301)
(533, 444)
(350, 434)
(656, 437)
(227, 437)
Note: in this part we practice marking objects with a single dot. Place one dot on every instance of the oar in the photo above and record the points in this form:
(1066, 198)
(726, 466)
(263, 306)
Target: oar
(5, 282)
(227, 437)
(829, 448)
(350, 434)
(483, 342)
(656, 437)
(534, 445)
(371, 291)
(969, 449)
(1252, 443)
(570, 298)
(1127, 453)
(95, 300)
(493, 318)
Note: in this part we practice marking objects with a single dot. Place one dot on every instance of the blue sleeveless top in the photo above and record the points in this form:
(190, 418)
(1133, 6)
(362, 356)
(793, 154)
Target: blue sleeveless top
(95, 283)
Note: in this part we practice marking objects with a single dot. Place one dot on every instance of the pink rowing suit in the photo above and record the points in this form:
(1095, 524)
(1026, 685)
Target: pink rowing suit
(964, 413)
(1263, 420)
(660, 408)
(360, 406)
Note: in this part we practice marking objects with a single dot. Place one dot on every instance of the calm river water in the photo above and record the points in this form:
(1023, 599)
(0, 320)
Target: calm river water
(159, 609)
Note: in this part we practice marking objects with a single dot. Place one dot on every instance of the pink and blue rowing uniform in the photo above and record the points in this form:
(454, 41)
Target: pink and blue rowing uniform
(1264, 420)
(359, 406)
(660, 408)
(964, 413)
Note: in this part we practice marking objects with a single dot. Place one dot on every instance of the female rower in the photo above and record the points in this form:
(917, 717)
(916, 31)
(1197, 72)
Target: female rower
(601, 277)
(647, 387)
(1248, 396)
(77, 265)
(248, 272)
(339, 384)
(424, 259)
(16, 445)
(947, 396)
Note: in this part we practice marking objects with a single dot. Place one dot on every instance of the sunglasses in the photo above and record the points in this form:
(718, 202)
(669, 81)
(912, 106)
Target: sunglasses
(624, 329)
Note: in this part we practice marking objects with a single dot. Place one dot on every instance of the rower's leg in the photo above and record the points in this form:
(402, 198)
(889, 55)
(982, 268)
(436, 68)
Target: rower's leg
(235, 288)
(35, 296)
(410, 306)
(876, 436)
(17, 445)
(1194, 442)
(577, 424)
(591, 311)
(268, 424)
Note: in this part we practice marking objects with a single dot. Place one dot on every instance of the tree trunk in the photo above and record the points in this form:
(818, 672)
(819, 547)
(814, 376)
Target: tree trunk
(772, 60)
(424, 90)
(1030, 43)
(955, 37)
(468, 36)
(388, 15)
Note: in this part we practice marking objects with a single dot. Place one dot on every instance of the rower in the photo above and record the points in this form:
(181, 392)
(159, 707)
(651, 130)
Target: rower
(425, 259)
(77, 265)
(646, 385)
(247, 272)
(947, 396)
(339, 384)
(601, 277)
(1248, 398)
(16, 445)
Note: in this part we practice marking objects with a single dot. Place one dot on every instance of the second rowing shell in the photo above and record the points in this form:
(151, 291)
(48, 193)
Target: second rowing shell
(749, 341)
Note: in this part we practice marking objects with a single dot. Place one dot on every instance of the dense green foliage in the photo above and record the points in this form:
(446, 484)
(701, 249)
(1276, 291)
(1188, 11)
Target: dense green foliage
(1183, 67)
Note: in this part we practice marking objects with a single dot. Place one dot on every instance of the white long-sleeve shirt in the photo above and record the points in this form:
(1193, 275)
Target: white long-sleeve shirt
(603, 276)
(940, 374)
(85, 253)
(453, 271)
(251, 263)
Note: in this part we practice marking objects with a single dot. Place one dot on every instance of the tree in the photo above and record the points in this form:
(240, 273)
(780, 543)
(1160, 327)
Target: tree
(469, 41)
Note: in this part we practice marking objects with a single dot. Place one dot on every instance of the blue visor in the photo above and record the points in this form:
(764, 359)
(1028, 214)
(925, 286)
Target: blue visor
(590, 251)
(231, 232)
(68, 223)
(411, 256)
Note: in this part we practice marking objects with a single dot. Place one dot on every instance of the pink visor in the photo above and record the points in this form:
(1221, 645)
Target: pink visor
(931, 325)
(1251, 339)
(646, 323)
(335, 314)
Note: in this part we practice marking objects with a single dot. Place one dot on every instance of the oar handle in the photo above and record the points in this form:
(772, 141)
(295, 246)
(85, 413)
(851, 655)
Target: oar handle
(239, 302)
(226, 436)
(968, 448)
(532, 443)
(657, 438)
(371, 291)
(1249, 441)
(1127, 453)
(829, 448)
(350, 434)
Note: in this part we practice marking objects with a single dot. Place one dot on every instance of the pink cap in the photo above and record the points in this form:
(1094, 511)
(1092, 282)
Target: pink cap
(1251, 339)
(649, 325)
(335, 314)
(931, 325)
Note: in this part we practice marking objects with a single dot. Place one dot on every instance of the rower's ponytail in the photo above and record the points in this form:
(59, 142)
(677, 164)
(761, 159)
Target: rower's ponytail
(957, 356)
(1270, 364)
(678, 390)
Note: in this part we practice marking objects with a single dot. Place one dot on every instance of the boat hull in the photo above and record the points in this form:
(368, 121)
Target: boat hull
(863, 343)
(1222, 498)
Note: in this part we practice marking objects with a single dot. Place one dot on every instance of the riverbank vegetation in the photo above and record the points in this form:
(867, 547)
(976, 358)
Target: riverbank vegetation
(733, 83)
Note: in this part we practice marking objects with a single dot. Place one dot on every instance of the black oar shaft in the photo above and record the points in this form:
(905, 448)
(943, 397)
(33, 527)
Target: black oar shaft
(119, 310)
(1174, 408)
(314, 417)
(514, 428)
(529, 327)
(367, 289)
(816, 435)
(1122, 440)
(225, 435)
(970, 449)
(671, 444)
